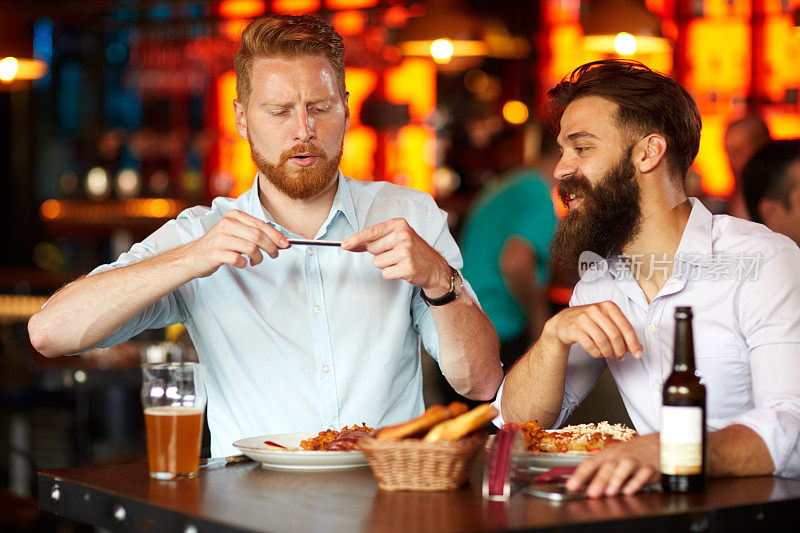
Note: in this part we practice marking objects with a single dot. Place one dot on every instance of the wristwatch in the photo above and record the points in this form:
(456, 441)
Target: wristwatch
(449, 296)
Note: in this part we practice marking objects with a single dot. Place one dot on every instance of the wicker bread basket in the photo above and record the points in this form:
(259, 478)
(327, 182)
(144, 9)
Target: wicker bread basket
(411, 464)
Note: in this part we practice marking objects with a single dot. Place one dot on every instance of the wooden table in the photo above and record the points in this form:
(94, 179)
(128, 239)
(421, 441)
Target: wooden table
(248, 497)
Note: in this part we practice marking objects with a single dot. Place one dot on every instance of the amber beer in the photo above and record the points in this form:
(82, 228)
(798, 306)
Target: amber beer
(173, 398)
(173, 440)
(683, 416)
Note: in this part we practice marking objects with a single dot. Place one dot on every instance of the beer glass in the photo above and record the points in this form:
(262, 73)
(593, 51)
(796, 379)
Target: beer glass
(173, 398)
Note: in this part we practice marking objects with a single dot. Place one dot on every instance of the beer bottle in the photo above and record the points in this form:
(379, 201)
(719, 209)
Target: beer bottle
(683, 416)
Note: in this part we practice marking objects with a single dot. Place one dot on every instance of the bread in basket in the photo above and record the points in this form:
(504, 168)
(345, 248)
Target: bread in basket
(440, 460)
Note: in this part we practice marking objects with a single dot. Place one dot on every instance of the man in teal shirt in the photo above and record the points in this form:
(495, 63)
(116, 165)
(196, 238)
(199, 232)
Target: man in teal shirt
(506, 258)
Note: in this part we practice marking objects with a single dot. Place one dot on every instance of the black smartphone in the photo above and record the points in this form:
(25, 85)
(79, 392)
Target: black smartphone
(553, 491)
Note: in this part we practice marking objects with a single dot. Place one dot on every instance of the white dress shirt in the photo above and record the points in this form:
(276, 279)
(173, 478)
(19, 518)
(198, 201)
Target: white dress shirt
(312, 340)
(743, 284)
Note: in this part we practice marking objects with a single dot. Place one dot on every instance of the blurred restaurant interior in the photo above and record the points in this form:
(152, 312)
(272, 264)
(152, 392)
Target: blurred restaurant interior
(115, 115)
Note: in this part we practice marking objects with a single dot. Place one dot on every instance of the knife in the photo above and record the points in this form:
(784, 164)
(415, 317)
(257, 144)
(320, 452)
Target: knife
(221, 462)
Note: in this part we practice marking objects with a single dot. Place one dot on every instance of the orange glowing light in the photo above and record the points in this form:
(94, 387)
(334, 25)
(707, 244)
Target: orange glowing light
(414, 83)
(235, 9)
(720, 57)
(515, 112)
(14, 69)
(565, 55)
(234, 152)
(295, 7)
(784, 126)
(658, 7)
(395, 17)
(360, 142)
(360, 83)
(410, 156)
(727, 8)
(561, 12)
(232, 29)
(350, 4)
(781, 50)
(416, 157)
(349, 22)
(712, 162)
(157, 208)
(51, 209)
(358, 153)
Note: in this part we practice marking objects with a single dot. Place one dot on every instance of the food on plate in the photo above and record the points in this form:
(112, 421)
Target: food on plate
(347, 439)
(577, 438)
(462, 425)
(420, 425)
(337, 441)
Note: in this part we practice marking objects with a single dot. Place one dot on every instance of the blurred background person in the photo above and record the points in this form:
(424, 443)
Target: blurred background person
(743, 138)
(771, 187)
(505, 244)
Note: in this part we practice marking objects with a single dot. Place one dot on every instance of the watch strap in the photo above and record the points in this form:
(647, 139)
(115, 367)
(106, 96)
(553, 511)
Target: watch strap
(448, 297)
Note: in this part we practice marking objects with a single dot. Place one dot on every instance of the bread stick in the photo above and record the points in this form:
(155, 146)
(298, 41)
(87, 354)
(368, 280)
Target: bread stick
(457, 408)
(462, 425)
(432, 416)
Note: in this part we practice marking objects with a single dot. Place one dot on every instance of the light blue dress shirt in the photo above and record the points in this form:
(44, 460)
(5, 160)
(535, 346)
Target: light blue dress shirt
(312, 340)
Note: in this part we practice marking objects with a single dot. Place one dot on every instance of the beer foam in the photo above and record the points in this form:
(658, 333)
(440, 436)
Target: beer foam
(172, 410)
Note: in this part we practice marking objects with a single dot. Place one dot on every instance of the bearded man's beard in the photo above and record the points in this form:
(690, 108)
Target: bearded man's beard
(608, 219)
(298, 183)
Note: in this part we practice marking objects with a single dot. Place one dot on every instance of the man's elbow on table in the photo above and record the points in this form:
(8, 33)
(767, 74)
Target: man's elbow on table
(518, 411)
(43, 336)
(481, 387)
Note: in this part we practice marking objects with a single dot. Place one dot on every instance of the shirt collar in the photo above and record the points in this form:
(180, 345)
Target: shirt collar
(695, 246)
(342, 203)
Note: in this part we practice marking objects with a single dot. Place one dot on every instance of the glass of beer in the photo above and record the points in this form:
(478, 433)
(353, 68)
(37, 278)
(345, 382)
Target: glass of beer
(173, 397)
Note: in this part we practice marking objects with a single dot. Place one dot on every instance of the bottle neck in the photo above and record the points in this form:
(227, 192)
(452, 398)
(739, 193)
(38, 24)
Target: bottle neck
(684, 346)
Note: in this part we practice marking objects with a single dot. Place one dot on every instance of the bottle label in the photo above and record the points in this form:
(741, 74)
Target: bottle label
(681, 440)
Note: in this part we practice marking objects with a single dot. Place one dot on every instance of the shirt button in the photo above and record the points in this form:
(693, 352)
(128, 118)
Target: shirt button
(657, 387)
(317, 309)
(326, 368)
(309, 251)
(651, 328)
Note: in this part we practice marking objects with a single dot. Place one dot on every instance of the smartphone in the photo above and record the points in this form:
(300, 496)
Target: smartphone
(554, 491)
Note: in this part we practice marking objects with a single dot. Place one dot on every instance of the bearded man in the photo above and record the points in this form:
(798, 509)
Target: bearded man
(628, 136)
(315, 337)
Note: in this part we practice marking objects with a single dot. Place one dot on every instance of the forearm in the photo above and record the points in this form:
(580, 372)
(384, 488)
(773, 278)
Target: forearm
(85, 312)
(737, 450)
(534, 387)
(518, 267)
(469, 351)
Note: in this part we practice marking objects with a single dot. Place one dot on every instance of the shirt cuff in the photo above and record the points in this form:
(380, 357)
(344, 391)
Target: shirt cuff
(497, 403)
(780, 431)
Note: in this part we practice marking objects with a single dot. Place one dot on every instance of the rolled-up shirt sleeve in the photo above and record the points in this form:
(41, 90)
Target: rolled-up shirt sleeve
(437, 234)
(169, 309)
(771, 325)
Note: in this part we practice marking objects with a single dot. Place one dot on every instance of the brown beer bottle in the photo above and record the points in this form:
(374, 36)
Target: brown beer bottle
(683, 416)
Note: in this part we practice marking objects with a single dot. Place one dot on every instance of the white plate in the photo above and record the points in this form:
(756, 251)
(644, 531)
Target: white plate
(295, 458)
(549, 460)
